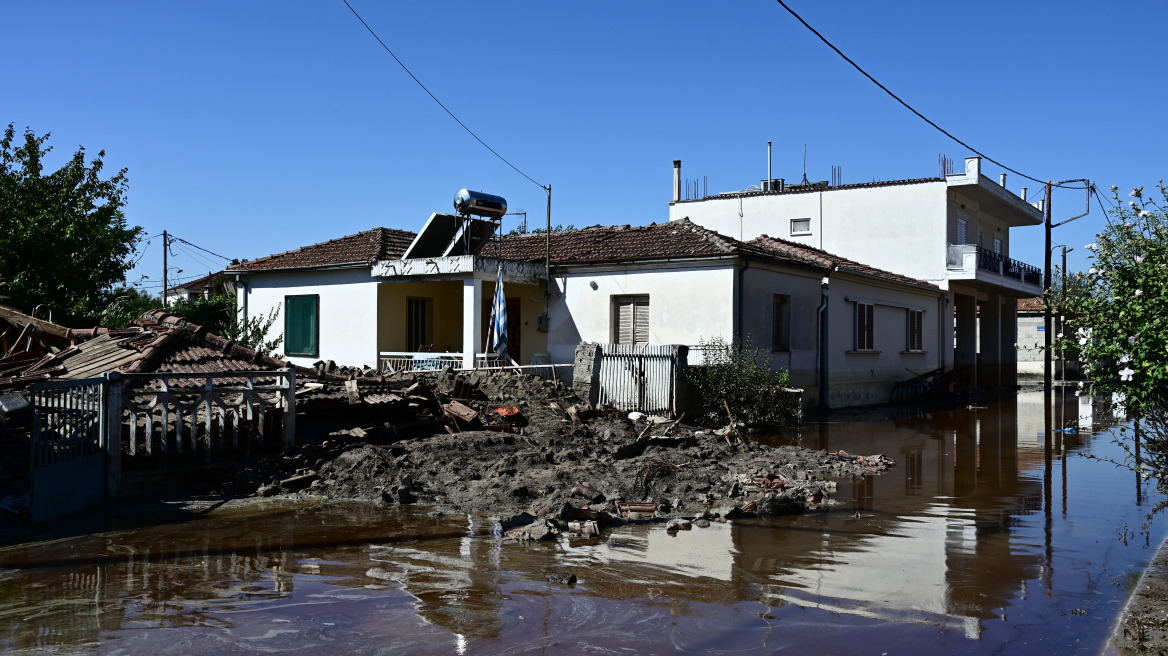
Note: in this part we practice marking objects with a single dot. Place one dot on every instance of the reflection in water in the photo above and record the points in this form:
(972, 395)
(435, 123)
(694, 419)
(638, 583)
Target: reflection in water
(986, 537)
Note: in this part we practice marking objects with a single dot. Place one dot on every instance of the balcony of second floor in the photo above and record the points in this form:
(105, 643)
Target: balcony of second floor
(982, 267)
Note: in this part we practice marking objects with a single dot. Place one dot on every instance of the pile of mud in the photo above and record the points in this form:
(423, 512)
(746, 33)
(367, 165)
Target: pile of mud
(563, 455)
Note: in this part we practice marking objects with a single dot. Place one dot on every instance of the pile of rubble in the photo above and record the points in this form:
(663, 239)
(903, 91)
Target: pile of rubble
(521, 447)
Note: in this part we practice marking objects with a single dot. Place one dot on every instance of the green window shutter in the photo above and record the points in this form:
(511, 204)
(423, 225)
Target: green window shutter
(302, 325)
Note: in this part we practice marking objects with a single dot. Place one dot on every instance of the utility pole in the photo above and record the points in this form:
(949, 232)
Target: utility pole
(1046, 298)
(166, 249)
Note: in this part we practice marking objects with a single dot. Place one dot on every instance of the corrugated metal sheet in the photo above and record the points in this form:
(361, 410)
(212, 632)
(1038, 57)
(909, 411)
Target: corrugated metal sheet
(638, 377)
(99, 355)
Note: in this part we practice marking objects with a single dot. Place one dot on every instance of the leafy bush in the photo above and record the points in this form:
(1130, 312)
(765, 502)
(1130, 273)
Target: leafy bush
(737, 374)
(1118, 311)
(125, 304)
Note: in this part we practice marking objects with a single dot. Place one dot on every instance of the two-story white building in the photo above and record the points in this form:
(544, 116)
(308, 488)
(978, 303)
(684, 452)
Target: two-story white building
(951, 231)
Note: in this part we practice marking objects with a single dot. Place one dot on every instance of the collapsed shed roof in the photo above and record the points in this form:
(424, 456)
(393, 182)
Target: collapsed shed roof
(157, 342)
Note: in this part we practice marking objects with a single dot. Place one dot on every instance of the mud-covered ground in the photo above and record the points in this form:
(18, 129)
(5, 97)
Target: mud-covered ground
(1143, 627)
(564, 460)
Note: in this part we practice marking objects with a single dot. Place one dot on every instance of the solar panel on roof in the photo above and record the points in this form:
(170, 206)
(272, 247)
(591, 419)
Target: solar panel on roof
(446, 234)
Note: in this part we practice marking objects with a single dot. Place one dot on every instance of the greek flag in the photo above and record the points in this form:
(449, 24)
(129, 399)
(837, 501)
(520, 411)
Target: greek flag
(499, 318)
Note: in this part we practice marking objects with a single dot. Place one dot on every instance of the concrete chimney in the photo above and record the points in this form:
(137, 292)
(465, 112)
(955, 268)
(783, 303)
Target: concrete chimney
(676, 180)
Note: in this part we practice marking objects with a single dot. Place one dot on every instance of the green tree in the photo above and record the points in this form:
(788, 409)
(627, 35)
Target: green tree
(124, 304)
(1119, 319)
(64, 239)
(559, 227)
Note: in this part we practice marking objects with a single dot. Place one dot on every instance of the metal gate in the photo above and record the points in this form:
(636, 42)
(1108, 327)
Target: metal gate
(638, 377)
(67, 462)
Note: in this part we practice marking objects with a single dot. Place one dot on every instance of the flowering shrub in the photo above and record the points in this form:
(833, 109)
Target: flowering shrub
(1120, 313)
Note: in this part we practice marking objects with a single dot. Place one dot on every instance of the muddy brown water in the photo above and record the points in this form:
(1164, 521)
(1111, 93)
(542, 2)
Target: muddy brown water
(977, 542)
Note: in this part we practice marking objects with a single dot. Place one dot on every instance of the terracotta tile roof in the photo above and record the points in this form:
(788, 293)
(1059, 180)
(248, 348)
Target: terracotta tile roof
(676, 239)
(379, 243)
(599, 244)
(814, 255)
(1034, 304)
(592, 245)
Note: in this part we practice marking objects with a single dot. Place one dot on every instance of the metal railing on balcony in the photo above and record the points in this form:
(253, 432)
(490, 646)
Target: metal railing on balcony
(987, 260)
(398, 362)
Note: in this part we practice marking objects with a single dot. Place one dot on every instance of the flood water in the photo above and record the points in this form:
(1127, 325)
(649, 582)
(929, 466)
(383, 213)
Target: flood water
(979, 541)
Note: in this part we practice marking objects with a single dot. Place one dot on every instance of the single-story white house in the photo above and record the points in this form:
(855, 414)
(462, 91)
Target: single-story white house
(846, 331)
(205, 287)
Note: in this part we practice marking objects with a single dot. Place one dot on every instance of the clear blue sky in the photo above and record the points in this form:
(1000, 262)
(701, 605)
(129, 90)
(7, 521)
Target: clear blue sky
(254, 126)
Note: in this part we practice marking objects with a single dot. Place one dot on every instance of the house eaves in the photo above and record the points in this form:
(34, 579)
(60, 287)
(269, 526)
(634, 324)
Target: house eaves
(457, 267)
(318, 267)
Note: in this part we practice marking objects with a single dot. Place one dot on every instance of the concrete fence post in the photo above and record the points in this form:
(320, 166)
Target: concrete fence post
(289, 408)
(586, 372)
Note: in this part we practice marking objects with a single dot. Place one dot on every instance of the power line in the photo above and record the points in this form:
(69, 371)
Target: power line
(180, 239)
(435, 98)
(905, 104)
(199, 258)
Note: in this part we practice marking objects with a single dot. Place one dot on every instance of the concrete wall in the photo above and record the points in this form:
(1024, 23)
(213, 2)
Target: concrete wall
(862, 378)
(692, 302)
(873, 225)
(348, 310)
(687, 302)
(760, 285)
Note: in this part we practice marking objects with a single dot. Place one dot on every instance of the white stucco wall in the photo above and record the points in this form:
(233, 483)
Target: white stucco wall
(348, 310)
(687, 302)
(691, 302)
(874, 225)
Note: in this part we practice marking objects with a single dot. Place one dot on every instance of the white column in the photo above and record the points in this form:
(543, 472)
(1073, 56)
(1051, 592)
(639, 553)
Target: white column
(472, 308)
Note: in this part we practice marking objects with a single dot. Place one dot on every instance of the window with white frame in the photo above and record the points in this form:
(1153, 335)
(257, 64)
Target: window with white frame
(962, 231)
(915, 330)
(800, 227)
(781, 323)
(630, 316)
(865, 327)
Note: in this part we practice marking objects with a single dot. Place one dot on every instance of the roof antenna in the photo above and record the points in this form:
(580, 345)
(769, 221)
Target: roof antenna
(805, 180)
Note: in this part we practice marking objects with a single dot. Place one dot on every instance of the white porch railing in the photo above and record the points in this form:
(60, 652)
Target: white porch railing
(390, 362)
(404, 361)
